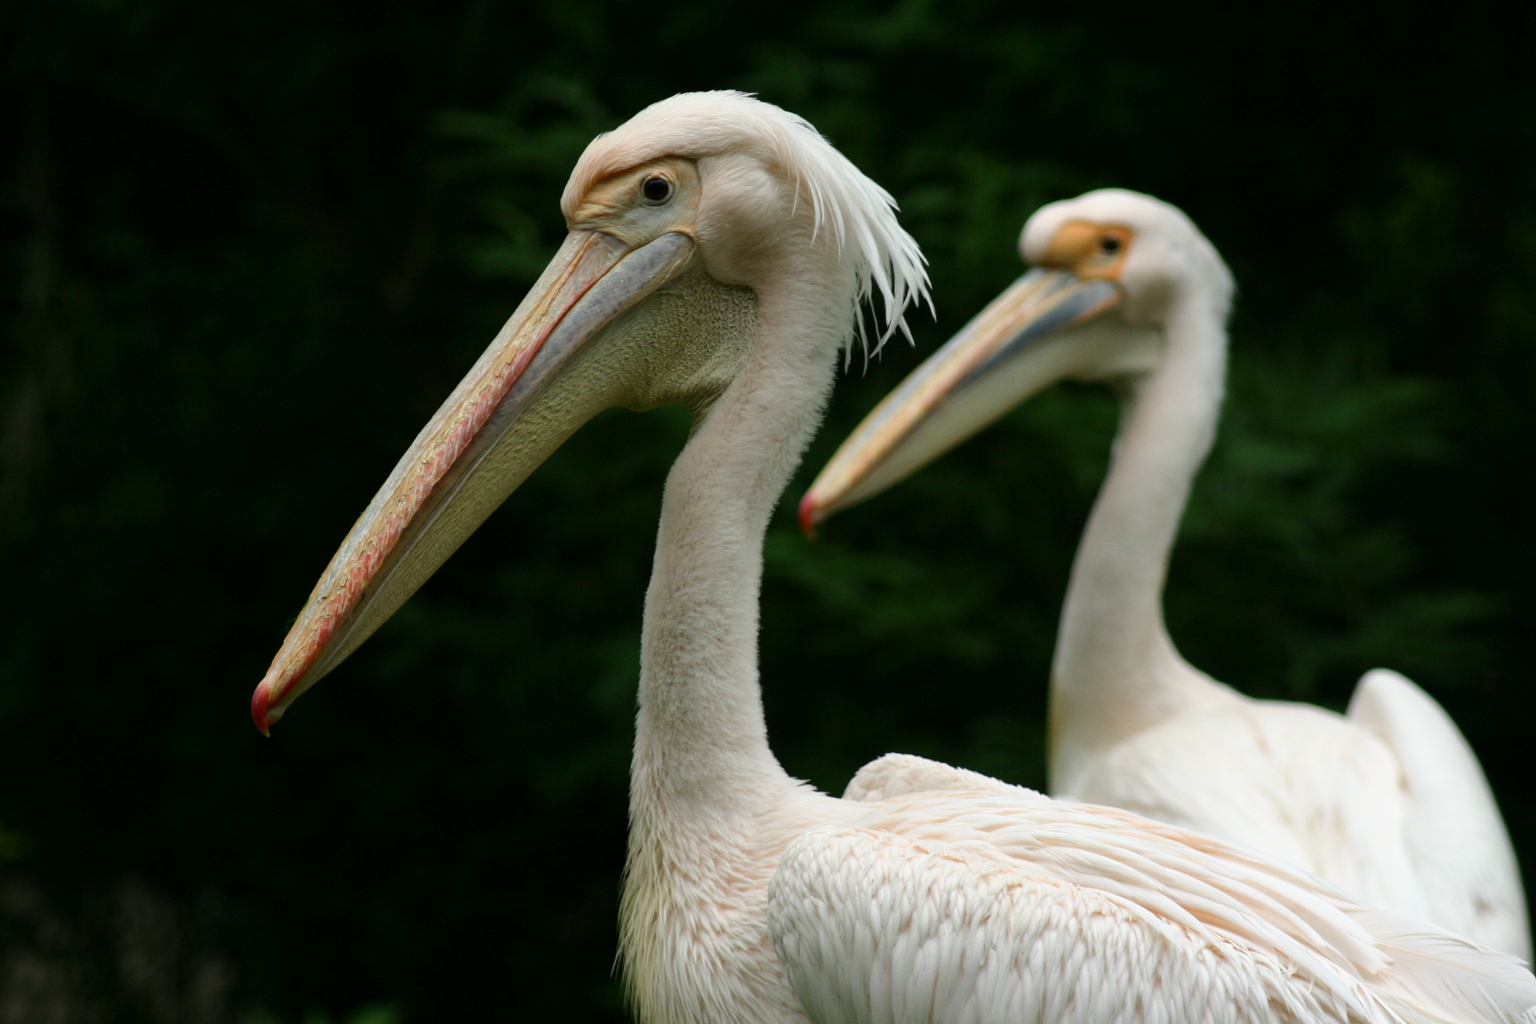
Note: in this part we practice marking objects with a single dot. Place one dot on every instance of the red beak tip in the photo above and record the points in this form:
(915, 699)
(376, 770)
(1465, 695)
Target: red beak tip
(259, 710)
(809, 516)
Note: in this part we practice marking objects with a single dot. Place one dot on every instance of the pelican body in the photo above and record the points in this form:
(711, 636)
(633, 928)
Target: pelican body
(1388, 802)
(718, 251)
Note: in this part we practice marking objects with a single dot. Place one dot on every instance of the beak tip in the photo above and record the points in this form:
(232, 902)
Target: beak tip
(810, 515)
(259, 701)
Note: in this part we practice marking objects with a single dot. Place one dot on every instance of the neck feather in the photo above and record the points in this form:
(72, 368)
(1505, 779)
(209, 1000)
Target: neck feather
(1116, 671)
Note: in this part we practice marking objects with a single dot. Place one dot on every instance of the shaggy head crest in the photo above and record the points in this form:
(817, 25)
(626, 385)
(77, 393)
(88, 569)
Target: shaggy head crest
(859, 213)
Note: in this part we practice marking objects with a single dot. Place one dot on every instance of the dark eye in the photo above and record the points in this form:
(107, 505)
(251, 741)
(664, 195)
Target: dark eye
(656, 190)
(1109, 245)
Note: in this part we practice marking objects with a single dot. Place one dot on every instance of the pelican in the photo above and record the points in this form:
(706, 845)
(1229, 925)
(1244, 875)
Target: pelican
(718, 252)
(1388, 802)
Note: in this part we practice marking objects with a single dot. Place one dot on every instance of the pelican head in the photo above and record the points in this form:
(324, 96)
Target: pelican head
(678, 221)
(1109, 268)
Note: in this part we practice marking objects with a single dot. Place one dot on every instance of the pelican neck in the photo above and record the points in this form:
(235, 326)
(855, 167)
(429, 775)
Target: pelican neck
(1116, 671)
(701, 741)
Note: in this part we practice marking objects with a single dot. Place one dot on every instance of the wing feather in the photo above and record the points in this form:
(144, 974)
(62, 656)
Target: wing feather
(1006, 906)
(877, 928)
(894, 775)
(1456, 837)
(1435, 969)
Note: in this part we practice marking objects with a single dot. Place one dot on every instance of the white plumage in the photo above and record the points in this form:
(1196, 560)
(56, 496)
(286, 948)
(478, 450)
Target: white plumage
(750, 898)
(1388, 803)
(996, 906)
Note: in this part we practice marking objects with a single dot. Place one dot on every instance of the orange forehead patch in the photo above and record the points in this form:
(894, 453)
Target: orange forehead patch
(1089, 249)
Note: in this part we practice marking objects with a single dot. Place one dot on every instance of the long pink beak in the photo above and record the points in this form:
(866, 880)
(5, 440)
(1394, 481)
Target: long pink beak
(994, 363)
(516, 405)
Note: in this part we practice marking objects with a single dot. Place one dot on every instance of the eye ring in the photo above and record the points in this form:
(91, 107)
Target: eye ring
(1110, 245)
(656, 190)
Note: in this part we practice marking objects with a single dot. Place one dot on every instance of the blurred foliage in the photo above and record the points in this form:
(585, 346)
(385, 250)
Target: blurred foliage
(377, 1013)
(248, 248)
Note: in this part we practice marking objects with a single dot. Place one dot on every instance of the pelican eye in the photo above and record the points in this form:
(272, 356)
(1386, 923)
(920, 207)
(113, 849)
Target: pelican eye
(1109, 245)
(656, 189)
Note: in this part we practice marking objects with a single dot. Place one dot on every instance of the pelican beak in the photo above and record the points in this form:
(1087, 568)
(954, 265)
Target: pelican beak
(545, 374)
(994, 363)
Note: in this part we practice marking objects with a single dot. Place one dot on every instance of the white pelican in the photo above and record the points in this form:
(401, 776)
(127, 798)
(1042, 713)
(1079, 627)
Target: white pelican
(1388, 803)
(718, 248)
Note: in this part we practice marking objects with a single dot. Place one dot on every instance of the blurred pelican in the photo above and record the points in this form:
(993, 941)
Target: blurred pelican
(1388, 803)
(718, 251)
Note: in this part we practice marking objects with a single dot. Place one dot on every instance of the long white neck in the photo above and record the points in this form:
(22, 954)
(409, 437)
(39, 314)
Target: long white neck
(701, 745)
(1116, 671)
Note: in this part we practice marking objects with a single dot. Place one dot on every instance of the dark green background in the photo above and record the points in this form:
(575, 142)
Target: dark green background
(248, 248)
